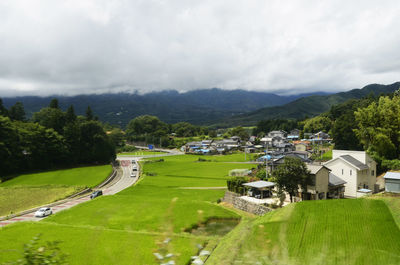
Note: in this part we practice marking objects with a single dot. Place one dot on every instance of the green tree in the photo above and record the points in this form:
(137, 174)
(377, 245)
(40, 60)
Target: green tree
(292, 175)
(43, 147)
(3, 110)
(146, 126)
(50, 118)
(379, 127)
(117, 137)
(17, 112)
(239, 131)
(94, 144)
(316, 124)
(70, 114)
(54, 104)
(89, 114)
(11, 152)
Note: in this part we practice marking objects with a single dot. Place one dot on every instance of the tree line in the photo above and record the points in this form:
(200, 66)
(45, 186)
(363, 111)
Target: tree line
(52, 138)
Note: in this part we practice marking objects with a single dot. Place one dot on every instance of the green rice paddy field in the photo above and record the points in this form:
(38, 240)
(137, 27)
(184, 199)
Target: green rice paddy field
(127, 228)
(31, 190)
(353, 231)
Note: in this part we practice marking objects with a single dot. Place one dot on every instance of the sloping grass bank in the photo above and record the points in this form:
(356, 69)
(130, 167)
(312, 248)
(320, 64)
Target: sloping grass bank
(358, 231)
(32, 190)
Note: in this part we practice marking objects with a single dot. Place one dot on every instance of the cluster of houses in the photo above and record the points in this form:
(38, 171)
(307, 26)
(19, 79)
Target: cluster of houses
(349, 174)
(278, 141)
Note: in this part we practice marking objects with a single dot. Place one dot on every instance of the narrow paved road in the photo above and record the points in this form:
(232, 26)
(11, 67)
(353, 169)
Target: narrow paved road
(122, 181)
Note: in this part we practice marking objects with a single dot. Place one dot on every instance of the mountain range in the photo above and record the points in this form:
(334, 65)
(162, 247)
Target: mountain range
(197, 107)
(216, 107)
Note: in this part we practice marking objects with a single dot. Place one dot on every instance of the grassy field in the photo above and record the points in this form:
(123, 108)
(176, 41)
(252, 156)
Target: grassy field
(392, 201)
(141, 153)
(16, 199)
(81, 176)
(32, 190)
(127, 228)
(358, 231)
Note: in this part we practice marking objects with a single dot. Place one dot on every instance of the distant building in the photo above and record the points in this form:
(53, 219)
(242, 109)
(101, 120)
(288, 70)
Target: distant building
(357, 168)
(294, 135)
(279, 133)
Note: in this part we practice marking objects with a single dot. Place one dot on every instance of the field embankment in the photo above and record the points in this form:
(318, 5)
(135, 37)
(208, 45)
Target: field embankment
(32, 190)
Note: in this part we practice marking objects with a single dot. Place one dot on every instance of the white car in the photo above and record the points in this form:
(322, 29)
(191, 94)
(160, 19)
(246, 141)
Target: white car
(42, 212)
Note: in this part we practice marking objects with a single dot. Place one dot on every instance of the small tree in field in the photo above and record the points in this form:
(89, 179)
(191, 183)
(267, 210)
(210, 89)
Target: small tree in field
(292, 175)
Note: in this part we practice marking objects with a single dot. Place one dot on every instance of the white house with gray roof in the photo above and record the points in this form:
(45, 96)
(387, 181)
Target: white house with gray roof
(356, 168)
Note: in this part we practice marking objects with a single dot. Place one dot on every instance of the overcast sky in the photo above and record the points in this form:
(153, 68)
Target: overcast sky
(84, 46)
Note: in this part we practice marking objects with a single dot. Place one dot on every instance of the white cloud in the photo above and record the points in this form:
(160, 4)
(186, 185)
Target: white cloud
(76, 46)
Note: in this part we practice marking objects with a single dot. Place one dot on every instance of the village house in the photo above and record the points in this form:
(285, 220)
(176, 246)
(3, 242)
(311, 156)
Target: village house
(294, 135)
(320, 138)
(302, 145)
(324, 184)
(280, 133)
(357, 168)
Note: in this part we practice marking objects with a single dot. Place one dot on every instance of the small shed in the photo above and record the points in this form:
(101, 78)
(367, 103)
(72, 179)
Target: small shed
(392, 182)
(260, 189)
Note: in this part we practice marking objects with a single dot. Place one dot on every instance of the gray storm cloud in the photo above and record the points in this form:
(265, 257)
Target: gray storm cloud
(74, 47)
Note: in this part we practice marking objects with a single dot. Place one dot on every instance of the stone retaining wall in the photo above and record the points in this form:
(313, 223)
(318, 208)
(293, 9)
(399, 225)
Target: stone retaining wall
(241, 204)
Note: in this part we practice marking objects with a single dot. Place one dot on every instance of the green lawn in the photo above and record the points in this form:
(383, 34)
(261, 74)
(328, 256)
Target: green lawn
(138, 217)
(358, 231)
(32, 190)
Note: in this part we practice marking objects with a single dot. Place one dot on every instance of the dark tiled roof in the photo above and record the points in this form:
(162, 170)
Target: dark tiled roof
(335, 180)
(354, 162)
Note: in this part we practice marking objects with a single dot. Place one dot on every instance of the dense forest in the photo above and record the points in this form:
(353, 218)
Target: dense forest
(307, 106)
(50, 139)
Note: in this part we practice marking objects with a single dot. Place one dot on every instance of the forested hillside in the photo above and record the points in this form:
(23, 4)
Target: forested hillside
(197, 107)
(307, 106)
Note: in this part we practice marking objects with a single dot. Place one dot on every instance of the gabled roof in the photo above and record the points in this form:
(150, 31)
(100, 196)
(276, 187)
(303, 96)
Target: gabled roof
(352, 161)
(392, 175)
(356, 163)
(259, 184)
(335, 180)
(315, 168)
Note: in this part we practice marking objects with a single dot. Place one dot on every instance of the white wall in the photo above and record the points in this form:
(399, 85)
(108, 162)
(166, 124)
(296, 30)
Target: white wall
(351, 185)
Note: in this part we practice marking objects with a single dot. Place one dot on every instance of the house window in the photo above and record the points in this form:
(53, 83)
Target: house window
(372, 172)
(350, 172)
(342, 171)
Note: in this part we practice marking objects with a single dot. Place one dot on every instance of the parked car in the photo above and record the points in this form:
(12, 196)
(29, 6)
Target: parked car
(95, 194)
(42, 212)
